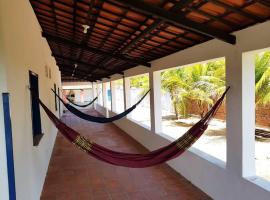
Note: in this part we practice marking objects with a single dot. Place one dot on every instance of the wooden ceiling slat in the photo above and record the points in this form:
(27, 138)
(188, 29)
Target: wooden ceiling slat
(124, 31)
(95, 15)
(79, 62)
(109, 34)
(264, 2)
(68, 42)
(146, 31)
(179, 20)
(55, 23)
(107, 26)
(237, 10)
(155, 25)
(224, 21)
(93, 20)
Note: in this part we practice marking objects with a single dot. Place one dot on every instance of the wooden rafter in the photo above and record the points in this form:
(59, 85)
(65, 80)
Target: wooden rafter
(178, 20)
(86, 64)
(61, 40)
(123, 35)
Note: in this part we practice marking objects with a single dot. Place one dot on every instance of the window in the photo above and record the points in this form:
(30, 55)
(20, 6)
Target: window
(139, 85)
(262, 102)
(187, 94)
(36, 119)
(119, 96)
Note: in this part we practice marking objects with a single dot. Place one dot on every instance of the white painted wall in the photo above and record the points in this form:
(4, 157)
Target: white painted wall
(234, 180)
(24, 49)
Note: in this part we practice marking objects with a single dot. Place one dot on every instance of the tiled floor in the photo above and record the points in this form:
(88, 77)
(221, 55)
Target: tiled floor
(74, 175)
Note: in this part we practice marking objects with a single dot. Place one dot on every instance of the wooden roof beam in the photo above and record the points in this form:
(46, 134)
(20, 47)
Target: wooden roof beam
(178, 20)
(264, 2)
(70, 68)
(237, 10)
(86, 64)
(77, 73)
(86, 75)
(57, 39)
(149, 29)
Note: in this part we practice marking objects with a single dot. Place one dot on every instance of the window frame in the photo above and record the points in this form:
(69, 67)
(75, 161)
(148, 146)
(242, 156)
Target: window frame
(35, 109)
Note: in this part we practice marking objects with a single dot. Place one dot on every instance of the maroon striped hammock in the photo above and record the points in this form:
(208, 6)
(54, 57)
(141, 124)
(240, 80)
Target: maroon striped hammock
(155, 157)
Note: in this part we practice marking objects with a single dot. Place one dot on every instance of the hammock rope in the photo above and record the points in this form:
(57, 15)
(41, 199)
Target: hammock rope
(155, 157)
(92, 118)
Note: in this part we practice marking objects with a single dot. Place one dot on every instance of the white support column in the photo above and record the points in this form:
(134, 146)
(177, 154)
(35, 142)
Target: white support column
(126, 82)
(113, 95)
(94, 85)
(234, 113)
(249, 114)
(105, 99)
(240, 116)
(92, 91)
(104, 95)
(99, 92)
(155, 102)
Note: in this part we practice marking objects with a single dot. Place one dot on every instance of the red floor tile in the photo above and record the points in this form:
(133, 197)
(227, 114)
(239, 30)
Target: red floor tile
(74, 175)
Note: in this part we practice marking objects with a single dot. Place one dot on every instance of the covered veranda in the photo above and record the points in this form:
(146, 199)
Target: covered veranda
(93, 45)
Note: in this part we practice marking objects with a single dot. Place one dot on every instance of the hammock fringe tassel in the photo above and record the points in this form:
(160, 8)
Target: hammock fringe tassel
(91, 118)
(155, 157)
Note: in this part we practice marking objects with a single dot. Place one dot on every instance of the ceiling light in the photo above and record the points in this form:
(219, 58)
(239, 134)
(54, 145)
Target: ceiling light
(85, 28)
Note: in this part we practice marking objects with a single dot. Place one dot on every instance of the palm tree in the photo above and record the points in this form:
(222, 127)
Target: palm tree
(262, 78)
(140, 82)
(200, 83)
(173, 82)
(203, 83)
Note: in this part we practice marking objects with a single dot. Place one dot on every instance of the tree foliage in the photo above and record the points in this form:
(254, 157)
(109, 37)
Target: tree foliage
(140, 82)
(200, 83)
(262, 78)
(204, 83)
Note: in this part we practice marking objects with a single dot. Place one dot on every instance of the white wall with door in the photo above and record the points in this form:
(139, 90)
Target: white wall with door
(22, 48)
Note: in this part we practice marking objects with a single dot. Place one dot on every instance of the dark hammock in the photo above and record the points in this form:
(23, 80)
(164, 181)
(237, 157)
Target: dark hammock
(91, 118)
(158, 156)
(82, 106)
